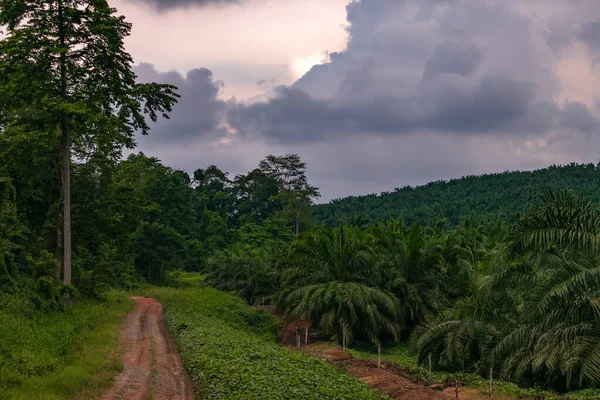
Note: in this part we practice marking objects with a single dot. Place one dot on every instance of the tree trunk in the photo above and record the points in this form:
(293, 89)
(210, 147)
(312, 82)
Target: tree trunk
(378, 355)
(297, 223)
(66, 154)
(148, 271)
(344, 342)
(59, 239)
(161, 270)
(66, 207)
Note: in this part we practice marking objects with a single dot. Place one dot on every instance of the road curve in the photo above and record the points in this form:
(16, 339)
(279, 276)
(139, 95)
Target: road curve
(151, 363)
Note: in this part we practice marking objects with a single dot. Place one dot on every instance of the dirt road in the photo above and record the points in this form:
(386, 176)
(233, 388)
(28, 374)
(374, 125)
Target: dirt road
(152, 366)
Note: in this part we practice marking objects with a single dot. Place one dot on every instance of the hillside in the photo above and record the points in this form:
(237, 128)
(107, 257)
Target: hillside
(503, 195)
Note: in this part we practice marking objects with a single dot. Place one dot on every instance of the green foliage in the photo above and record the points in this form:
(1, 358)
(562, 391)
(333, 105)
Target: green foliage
(63, 64)
(10, 230)
(230, 353)
(57, 354)
(248, 272)
(295, 193)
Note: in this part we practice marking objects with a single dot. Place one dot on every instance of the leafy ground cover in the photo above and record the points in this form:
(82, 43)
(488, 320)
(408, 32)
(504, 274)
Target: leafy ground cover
(59, 354)
(231, 352)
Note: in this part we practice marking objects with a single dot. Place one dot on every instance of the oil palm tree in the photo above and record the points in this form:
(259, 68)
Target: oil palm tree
(247, 272)
(463, 336)
(409, 266)
(328, 287)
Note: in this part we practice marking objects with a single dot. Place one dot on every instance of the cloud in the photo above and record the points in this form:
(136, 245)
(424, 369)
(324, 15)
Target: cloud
(590, 34)
(577, 116)
(470, 67)
(198, 112)
(163, 5)
(452, 58)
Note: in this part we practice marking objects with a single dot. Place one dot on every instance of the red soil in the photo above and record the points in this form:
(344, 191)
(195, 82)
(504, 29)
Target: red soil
(388, 378)
(151, 361)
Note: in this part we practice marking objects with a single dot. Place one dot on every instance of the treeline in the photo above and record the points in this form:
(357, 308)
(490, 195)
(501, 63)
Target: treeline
(138, 219)
(522, 300)
(503, 196)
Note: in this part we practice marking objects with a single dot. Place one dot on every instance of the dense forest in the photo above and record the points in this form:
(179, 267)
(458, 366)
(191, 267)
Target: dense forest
(496, 272)
(502, 196)
(139, 218)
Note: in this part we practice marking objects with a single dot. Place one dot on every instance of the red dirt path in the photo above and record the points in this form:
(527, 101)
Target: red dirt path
(151, 362)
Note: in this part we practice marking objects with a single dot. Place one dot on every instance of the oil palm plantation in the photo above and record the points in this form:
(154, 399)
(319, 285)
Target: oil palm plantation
(410, 267)
(556, 255)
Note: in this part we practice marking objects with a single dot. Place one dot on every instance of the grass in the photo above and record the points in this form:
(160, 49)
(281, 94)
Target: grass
(231, 352)
(59, 355)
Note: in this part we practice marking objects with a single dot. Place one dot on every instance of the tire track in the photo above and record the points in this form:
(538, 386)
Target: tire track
(144, 328)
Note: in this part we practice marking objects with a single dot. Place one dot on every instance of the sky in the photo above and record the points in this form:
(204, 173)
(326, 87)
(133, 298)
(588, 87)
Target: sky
(373, 94)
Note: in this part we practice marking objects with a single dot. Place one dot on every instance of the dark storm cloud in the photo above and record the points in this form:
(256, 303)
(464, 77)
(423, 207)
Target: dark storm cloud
(496, 102)
(498, 105)
(407, 68)
(198, 111)
(469, 68)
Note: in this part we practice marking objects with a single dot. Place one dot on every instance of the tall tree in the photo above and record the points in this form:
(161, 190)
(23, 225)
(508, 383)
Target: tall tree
(295, 193)
(64, 71)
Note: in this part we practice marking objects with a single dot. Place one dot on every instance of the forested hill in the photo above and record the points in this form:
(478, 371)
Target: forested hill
(503, 195)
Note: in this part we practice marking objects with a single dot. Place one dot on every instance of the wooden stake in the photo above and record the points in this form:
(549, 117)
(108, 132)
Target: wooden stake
(456, 385)
(378, 355)
(491, 381)
(306, 337)
(429, 362)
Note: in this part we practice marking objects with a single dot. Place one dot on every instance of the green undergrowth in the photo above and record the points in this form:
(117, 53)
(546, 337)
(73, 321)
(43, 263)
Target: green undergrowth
(399, 354)
(231, 352)
(56, 354)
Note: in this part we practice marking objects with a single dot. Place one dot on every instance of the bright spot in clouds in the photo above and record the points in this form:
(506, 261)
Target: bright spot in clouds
(301, 65)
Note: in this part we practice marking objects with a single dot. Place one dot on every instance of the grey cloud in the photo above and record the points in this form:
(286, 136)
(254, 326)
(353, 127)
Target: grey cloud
(496, 102)
(407, 68)
(266, 82)
(576, 116)
(497, 105)
(452, 58)
(198, 112)
(163, 5)
(590, 34)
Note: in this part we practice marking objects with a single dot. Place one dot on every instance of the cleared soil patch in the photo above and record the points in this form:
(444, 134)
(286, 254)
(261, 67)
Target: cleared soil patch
(388, 378)
(152, 366)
